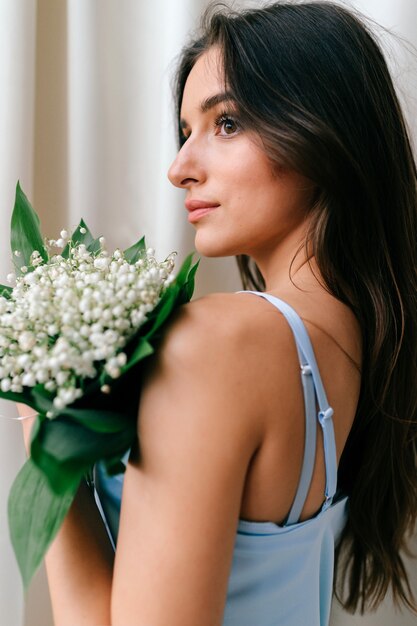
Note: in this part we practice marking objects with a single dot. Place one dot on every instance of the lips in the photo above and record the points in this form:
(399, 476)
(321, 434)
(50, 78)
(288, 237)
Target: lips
(193, 205)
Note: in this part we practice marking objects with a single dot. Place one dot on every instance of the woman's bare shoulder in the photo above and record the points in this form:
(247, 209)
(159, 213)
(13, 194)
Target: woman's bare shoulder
(235, 323)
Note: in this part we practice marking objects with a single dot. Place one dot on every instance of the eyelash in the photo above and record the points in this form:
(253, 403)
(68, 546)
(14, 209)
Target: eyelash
(224, 117)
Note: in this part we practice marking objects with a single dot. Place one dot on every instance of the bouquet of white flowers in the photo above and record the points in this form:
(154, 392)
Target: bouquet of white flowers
(76, 323)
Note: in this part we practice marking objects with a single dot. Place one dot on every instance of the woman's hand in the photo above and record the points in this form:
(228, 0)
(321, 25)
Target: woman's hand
(27, 423)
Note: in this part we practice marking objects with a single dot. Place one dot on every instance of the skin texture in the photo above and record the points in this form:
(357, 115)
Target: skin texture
(221, 420)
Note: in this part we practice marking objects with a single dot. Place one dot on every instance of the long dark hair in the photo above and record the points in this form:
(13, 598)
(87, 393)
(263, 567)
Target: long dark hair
(312, 81)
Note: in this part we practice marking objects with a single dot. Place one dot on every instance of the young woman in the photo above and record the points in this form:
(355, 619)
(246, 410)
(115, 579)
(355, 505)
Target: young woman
(295, 157)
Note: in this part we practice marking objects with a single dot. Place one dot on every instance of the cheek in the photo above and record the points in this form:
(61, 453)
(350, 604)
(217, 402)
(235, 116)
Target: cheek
(245, 184)
(259, 208)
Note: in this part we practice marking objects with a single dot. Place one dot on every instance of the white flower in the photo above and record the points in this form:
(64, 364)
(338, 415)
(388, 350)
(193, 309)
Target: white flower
(23, 360)
(28, 380)
(123, 280)
(52, 363)
(87, 316)
(61, 378)
(27, 341)
(94, 278)
(68, 395)
(68, 317)
(30, 279)
(39, 352)
(121, 324)
(101, 263)
(118, 310)
(107, 315)
(84, 305)
(113, 372)
(97, 339)
(42, 376)
(4, 342)
(59, 403)
(121, 359)
(6, 385)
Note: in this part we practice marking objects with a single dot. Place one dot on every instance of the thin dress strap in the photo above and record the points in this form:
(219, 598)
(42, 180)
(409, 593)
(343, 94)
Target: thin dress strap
(314, 393)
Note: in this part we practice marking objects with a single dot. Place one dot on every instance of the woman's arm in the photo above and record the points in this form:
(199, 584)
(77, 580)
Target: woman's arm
(198, 430)
(79, 563)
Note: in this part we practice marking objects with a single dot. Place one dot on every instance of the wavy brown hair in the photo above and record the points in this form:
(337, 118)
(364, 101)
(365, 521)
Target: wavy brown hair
(311, 80)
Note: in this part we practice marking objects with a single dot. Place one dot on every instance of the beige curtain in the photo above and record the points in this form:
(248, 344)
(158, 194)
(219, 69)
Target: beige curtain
(87, 125)
(17, 73)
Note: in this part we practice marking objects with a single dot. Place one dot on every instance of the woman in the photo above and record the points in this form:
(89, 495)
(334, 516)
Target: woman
(295, 157)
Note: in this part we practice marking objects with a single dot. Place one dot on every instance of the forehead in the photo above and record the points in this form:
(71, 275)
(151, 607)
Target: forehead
(205, 78)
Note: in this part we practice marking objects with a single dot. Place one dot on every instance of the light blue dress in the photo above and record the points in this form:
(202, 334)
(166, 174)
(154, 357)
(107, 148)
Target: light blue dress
(280, 575)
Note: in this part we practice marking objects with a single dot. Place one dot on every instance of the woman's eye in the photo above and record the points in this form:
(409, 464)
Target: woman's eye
(228, 123)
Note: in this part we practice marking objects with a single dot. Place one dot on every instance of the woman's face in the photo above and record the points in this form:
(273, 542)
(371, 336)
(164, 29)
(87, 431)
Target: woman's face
(221, 164)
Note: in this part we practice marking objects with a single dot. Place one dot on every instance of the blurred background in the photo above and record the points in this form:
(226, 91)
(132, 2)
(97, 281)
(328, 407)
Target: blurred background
(87, 126)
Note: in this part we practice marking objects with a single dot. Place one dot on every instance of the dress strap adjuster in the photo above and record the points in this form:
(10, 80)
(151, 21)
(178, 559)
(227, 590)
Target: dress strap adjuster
(325, 415)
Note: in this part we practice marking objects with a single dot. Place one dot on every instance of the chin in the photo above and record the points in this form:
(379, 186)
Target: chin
(214, 247)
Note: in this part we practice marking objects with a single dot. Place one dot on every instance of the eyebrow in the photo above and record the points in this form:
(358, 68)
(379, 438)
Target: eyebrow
(210, 102)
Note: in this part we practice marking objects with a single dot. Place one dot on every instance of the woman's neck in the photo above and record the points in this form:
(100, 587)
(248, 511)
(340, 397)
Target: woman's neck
(290, 264)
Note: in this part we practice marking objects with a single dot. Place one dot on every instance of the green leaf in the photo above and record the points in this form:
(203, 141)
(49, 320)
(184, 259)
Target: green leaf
(65, 450)
(78, 237)
(191, 280)
(42, 398)
(185, 268)
(6, 291)
(94, 247)
(25, 233)
(165, 307)
(35, 516)
(135, 252)
(24, 397)
(142, 350)
(178, 292)
(100, 421)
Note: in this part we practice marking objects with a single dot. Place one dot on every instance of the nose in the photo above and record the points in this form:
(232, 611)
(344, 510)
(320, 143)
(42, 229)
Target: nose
(187, 167)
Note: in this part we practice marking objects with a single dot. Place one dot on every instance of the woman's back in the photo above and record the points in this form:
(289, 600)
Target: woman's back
(283, 574)
(303, 552)
(274, 472)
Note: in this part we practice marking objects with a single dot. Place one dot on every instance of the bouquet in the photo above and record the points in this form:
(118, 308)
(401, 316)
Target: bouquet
(76, 324)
